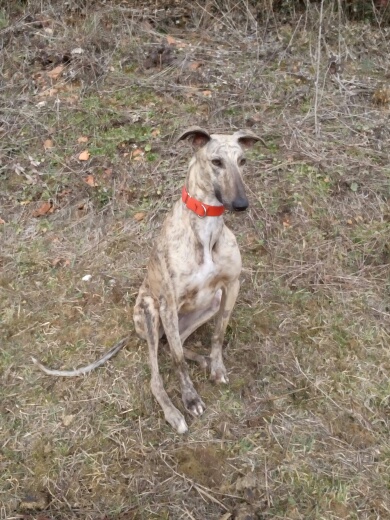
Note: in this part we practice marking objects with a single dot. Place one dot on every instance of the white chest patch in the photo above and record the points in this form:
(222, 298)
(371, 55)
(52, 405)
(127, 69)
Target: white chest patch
(205, 273)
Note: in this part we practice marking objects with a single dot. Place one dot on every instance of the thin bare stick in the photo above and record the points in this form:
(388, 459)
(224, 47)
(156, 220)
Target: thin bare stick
(318, 70)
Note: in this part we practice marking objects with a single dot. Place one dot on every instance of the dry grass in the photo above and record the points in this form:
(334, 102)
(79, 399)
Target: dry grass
(302, 430)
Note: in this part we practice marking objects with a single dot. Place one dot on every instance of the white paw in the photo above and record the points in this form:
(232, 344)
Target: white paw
(219, 374)
(176, 420)
(182, 427)
(223, 379)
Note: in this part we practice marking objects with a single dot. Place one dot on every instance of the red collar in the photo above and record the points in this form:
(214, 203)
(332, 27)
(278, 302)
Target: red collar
(202, 210)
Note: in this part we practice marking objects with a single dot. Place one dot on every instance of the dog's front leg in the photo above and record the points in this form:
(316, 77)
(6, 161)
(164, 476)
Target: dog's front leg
(229, 296)
(169, 318)
(147, 312)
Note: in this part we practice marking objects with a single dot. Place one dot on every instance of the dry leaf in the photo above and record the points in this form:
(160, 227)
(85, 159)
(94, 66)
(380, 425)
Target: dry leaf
(33, 161)
(67, 420)
(48, 144)
(2, 221)
(64, 193)
(44, 209)
(257, 117)
(54, 74)
(82, 139)
(193, 65)
(72, 99)
(207, 93)
(18, 169)
(171, 40)
(61, 262)
(29, 179)
(89, 179)
(49, 92)
(84, 156)
(107, 172)
(248, 481)
(139, 216)
(137, 154)
(155, 132)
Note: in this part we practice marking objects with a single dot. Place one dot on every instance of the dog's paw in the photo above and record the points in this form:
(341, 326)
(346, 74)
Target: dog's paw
(203, 362)
(218, 373)
(194, 405)
(176, 420)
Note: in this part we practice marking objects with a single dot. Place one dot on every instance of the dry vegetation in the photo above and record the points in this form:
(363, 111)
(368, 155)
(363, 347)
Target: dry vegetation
(302, 432)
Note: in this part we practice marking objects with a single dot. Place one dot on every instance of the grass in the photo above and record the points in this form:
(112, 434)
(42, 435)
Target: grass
(301, 432)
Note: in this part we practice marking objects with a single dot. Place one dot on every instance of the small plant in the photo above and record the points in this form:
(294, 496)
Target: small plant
(3, 19)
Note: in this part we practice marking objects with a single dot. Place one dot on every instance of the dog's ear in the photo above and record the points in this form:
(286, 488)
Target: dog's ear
(246, 138)
(196, 135)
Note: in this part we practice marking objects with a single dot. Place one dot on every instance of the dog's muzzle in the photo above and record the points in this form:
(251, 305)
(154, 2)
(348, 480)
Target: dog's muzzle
(240, 204)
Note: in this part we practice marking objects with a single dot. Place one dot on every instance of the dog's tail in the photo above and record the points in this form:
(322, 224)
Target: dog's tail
(84, 370)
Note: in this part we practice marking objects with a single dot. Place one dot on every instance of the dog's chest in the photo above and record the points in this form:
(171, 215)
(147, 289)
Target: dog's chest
(200, 286)
(206, 274)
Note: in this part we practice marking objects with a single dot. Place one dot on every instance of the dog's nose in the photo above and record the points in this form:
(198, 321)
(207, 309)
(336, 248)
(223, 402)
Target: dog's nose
(240, 204)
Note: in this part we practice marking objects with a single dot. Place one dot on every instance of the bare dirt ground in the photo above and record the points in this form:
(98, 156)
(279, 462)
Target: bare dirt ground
(92, 96)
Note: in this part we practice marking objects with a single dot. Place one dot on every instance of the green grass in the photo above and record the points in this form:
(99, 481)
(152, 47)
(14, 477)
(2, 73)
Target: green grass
(301, 432)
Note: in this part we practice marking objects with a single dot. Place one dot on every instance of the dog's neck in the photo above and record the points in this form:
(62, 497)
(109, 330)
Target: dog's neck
(207, 230)
(199, 185)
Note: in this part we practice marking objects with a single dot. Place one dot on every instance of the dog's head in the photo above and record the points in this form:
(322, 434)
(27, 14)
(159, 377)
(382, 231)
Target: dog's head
(221, 159)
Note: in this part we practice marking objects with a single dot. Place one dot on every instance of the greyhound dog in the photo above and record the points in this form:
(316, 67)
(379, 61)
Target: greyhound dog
(193, 272)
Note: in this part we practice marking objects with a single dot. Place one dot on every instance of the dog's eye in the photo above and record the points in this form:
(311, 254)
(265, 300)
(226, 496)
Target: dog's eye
(217, 162)
(242, 161)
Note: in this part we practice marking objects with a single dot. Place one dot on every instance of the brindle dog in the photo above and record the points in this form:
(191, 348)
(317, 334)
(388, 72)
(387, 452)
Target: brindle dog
(193, 271)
